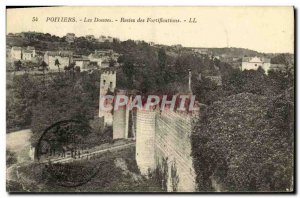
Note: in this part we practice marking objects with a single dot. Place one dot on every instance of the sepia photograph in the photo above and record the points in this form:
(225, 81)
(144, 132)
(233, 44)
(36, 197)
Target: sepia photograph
(119, 99)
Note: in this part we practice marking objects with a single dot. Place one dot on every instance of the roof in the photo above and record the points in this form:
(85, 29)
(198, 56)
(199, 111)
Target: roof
(28, 51)
(16, 48)
(30, 48)
(90, 36)
(101, 53)
(105, 61)
(59, 53)
(95, 56)
(256, 59)
(104, 51)
(83, 58)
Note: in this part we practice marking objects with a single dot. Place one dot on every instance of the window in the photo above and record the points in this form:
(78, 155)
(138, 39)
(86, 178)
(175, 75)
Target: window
(110, 85)
(104, 82)
(255, 64)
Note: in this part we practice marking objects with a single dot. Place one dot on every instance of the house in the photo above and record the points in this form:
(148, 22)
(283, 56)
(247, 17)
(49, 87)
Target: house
(151, 43)
(103, 39)
(254, 63)
(93, 66)
(82, 62)
(28, 54)
(201, 51)
(177, 46)
(64, 58)
(109, 39)
(70, 37)
(16, 53)
(105, 64)
(90, 37)
(138, 41)
(103, 57)
(95, 58)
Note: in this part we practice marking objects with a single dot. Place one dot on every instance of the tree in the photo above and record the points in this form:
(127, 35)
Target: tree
(72, 68)
(162, 58)
(129, 69)
(18, 65)
(21, 97)
(11, 158)
(44, 67)
(206, 91)
(66, 68)
(77, 69)
(64, 99)
(57, 63)
(112, 62)
(245, 143)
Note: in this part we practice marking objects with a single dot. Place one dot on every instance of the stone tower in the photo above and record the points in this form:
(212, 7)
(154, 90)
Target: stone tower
(107, 85)
(145, 141)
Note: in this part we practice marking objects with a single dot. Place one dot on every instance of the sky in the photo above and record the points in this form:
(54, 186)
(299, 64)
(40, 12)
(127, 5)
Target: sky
(264, 29)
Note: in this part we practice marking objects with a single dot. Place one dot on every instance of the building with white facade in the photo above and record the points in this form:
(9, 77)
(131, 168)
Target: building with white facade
(82, 62)
(103, 57)
(253, 63)
(109, 39)
(70, 37)
(18, 53)
(64, 58)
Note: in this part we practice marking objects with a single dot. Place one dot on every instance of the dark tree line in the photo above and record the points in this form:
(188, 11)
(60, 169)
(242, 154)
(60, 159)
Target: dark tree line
(244, 138)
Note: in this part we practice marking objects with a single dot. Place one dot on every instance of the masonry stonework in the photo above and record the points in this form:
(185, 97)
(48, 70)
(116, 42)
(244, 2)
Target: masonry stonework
(165, 137)
(172, 143)
(121, 120)
(145, 141)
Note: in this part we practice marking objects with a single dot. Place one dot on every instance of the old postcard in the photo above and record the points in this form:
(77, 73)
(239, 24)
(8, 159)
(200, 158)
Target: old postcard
(150, 99)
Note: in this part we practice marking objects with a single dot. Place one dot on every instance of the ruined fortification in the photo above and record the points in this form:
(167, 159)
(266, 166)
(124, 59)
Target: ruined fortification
(163, 144)
(121, 120)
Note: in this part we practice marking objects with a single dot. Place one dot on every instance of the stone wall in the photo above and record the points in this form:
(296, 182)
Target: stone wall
(64, 61)
(164, 138)
(172, 143)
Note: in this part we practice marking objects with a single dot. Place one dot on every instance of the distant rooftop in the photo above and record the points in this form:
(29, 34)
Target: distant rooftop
(59, 53)
(16, 48)
(256, 59)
